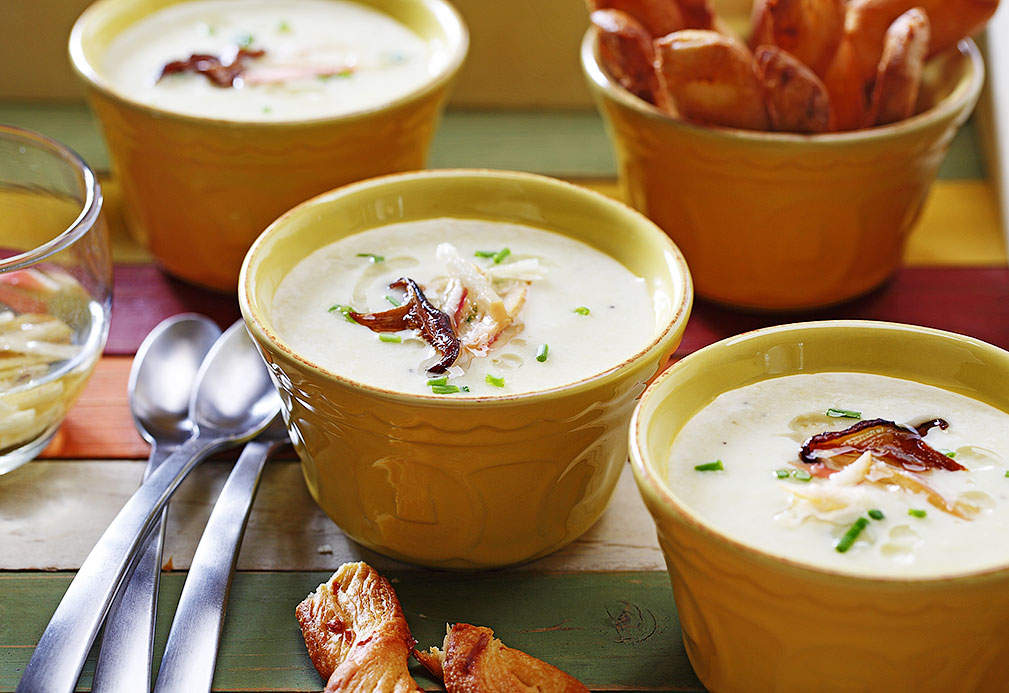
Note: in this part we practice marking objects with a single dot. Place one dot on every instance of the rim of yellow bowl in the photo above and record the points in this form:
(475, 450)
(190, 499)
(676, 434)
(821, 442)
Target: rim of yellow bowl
(649, 477)
(671, 331)
(446, 14)
(962, 96)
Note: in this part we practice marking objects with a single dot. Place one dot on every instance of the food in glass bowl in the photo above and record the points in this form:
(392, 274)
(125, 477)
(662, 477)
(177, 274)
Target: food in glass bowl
(47, 326)
(808, 66)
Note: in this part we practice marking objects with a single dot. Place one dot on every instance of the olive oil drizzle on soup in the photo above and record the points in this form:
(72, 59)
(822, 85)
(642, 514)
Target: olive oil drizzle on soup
(575, 311)
(867, 517)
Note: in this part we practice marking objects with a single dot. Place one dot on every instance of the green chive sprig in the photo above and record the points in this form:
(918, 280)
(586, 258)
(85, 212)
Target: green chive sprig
(781, 473)
(372, 257)
(390, 338)
(843, 413)
(582, 310)
(443, 380)
(542, 352)
(851, 535)
(715, 466)
(876, 514)
(393, 301)
(802, 475)
(916, 512)
(494, 380)
(444, 389)
(344, 311)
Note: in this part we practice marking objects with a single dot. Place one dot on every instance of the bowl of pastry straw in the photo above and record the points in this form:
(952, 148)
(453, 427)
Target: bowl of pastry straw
(788, 148)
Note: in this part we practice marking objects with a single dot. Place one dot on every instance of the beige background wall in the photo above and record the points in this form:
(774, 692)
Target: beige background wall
(523, 53)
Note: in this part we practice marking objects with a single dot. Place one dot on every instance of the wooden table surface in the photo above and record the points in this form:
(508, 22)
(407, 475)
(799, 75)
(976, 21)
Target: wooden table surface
(601, 608)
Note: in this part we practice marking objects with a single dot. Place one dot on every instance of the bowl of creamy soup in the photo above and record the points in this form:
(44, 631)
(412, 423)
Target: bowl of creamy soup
(831, 499)
(459, 353)
(219, 115)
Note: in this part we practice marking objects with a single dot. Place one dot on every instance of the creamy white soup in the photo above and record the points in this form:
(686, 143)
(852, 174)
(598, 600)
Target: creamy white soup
(289, 60)
(530, 309)
(871, 498)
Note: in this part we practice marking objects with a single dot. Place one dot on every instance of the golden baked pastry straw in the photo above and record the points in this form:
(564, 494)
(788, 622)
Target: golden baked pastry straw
(626, 51)
(866, 23)
(472, 660)
(658, 17)
(711, 79)
(797, 99)
(898, 79)
(356, 634)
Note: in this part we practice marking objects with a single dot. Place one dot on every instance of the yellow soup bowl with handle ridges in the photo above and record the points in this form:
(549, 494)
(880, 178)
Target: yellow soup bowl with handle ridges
(198, 190)
(473, 482)
(753, 621)
(778, 221)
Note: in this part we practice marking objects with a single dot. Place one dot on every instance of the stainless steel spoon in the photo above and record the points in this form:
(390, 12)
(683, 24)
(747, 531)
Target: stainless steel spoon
(161, 383)
(191, 653)
(233, 401)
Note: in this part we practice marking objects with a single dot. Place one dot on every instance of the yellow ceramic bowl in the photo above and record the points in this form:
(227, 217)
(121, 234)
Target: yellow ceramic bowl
(452, 482)
(777, 221)
(198, 191)
(755, 622)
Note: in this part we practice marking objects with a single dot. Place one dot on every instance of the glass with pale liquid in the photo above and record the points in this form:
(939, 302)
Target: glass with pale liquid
(55, 288)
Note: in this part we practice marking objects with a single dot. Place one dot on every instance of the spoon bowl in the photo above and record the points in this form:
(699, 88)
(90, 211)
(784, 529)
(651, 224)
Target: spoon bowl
(164, 371)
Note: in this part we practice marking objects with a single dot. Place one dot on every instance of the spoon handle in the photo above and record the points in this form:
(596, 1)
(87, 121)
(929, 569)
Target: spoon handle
(59, 656)
(126, 653)
(191, 652)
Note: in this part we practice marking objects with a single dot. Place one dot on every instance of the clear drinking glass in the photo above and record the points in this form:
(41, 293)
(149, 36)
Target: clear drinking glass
(55, 288)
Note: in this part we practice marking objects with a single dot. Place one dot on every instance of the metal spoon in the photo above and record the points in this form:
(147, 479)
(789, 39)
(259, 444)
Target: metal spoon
(191, 653)
(233, 401)
(161, 383)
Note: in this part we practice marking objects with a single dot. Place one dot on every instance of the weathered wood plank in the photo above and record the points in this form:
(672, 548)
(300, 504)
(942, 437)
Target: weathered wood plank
(614, 631)
(54, 512)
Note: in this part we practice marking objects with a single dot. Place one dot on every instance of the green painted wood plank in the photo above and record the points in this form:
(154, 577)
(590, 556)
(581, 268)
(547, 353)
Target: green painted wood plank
(570, 144)
(614, 631)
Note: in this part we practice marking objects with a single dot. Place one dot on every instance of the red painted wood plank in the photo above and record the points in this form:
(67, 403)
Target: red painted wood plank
(969, 301)
(972, 301)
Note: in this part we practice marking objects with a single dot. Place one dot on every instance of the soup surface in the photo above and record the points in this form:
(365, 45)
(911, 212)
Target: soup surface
(319, 58)
(855, 508)
(532, 309)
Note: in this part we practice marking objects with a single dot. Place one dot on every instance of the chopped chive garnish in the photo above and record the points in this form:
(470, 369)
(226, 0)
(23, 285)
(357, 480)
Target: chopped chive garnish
(284, 27)
(391, 338)
(485, 253)
(444, 389)
(876, 514)
(715, 466)
(781, 473)
(344, 74)
(393, 301)
(443, 380)
(843, 413)
(582, 310)
(494, 380)
(464, 388)
(343, 310)
(267, 109)
(851, 535)
(1007, 475)
(802, 475)
(916, 512)
(500, 255)
(372, 257)
(542, 351)
(949, 453)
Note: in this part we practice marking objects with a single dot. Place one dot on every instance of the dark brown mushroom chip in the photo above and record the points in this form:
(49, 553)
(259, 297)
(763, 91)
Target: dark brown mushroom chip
(896, 445)
(416, 313)
(212, 67)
